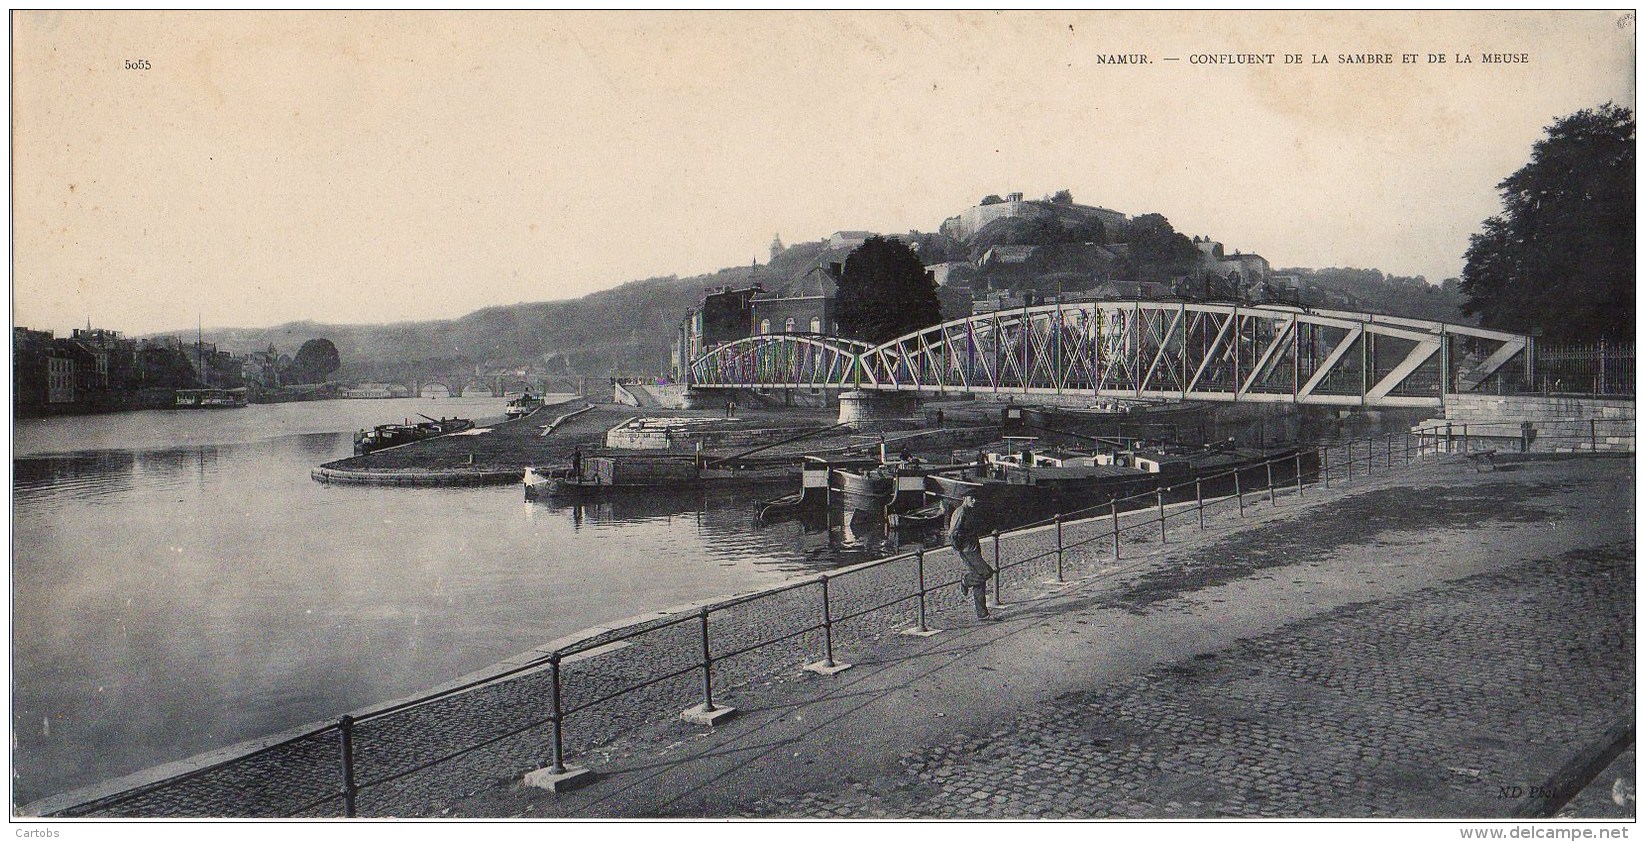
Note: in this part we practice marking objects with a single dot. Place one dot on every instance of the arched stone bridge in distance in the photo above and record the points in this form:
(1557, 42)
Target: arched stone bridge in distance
(458, 384)
(1146, 349)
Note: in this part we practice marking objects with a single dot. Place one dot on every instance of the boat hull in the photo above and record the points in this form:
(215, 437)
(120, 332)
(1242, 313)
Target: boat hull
(385, 436)
(1004, 504)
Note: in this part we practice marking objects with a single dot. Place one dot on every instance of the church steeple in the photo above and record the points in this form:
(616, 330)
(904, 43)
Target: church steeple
(776, 246)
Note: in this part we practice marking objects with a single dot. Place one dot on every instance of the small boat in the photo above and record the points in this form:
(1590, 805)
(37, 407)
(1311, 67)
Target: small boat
(538, 481)
(210, 398)
(929, 515)
(522, 406)
(393, 435)
(885, 487)
(812, 496)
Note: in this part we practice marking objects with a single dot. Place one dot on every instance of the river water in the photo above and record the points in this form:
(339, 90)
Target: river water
(180, 584)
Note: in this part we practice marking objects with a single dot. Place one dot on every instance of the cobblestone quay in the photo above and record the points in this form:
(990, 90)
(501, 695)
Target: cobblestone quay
(1437, 643)
(1432, 705)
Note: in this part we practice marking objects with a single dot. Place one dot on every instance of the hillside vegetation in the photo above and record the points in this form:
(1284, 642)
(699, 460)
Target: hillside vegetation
(629, 329)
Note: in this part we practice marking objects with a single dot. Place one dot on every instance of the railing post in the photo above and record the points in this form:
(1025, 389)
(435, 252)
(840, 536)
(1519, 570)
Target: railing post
(1350, 460)
(557, 767)
(1159, 496)
(1450, 439)
(1465, 446)
(1114, 514)
(1299, 474)
(1269, 464)
(1057, 519)
(828, 627)
(1239, 493)
(708, 666)
(1325, 465)
(997, 574)
(1593, 435)
(919, 565)
(345, 728)
(1199, 502)
(1407, 447)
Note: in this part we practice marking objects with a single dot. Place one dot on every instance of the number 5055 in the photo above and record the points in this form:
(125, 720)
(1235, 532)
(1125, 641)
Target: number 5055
(137, 64)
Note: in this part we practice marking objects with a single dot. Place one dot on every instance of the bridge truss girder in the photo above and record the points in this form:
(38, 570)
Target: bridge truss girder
(781, 360)
(1143, 349)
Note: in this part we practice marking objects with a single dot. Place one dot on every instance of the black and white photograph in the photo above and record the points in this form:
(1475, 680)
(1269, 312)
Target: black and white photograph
(1163, 420)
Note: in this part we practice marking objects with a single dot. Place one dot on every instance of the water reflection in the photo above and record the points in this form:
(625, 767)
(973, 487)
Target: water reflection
(728, 523)
(109, 472)
(197, 589)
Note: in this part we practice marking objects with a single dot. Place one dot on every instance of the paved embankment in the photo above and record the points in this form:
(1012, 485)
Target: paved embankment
(1411, 647)
(1405, 645)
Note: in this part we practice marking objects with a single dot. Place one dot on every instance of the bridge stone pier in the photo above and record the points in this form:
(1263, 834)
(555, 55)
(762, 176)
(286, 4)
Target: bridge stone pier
(874, 411)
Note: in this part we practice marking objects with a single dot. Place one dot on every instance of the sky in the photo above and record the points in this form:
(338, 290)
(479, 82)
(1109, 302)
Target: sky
(379, 167)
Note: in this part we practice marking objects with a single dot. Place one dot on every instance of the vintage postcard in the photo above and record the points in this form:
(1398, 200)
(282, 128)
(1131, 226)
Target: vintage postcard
(876, 415)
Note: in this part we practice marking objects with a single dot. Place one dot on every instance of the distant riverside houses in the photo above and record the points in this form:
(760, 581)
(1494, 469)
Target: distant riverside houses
(95, 369)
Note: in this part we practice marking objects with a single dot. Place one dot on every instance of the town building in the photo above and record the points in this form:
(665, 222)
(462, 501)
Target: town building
(804, 304)
(1243, 270)
(848, 239)
(1249, 269)
(722, 316)
(953, 273)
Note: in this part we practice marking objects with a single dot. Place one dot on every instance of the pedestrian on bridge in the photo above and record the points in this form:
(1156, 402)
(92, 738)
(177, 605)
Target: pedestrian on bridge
(965, 535)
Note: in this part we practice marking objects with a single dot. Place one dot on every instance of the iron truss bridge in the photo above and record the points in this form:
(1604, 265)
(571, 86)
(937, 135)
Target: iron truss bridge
(1144, 349)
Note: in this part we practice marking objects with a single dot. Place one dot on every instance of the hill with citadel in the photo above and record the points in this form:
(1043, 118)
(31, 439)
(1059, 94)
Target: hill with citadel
(1003, 248)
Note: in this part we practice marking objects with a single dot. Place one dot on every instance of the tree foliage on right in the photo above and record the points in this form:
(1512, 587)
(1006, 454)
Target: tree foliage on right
(884, 293)
(1560, 256)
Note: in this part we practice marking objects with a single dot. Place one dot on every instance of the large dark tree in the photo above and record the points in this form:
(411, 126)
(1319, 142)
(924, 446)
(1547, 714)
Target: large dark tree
(1158, 252)
(1560, 256)
(315, 361)
(885, 293)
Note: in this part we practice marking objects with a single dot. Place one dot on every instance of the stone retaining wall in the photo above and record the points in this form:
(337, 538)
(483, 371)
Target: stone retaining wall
(1537, 408)
(1558, 423)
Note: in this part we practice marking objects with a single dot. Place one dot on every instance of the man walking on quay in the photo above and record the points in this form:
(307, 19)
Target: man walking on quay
(964, 535)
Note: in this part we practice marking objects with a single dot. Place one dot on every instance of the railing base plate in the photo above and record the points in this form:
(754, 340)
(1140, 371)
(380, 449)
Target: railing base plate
(822, 667)
(571, 778)
(697, 716)
(915, 632)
